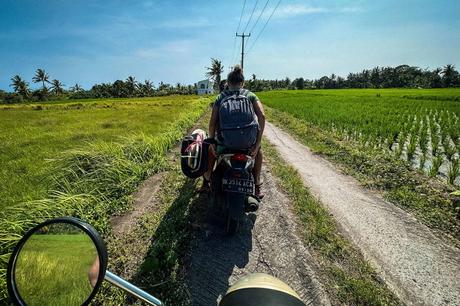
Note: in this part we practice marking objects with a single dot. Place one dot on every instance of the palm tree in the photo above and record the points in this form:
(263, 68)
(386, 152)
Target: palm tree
(20, 86)
(56, 87)
(41, 76)
(146, 88)
(76, 88)
(131, 85)
(448, 75)
(214, 72)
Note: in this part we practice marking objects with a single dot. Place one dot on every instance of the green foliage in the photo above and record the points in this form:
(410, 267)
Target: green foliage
(92, 180)
(454, 171)
(402, 76)
(436, 164)
(392, 120)
(214, 72)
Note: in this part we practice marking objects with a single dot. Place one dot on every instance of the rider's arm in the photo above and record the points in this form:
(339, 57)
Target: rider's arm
(259, 109)
(213, 122)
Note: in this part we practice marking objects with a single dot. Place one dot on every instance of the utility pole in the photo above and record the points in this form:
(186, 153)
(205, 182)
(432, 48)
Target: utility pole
(242, 47)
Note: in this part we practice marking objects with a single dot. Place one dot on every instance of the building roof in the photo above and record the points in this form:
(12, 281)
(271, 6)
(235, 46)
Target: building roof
(204, 81)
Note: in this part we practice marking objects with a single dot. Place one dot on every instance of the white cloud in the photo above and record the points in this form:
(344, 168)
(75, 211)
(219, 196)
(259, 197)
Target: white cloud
(298, 9)
(293, 10)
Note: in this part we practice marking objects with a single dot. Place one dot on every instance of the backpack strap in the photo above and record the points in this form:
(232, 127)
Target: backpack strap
(221, 98)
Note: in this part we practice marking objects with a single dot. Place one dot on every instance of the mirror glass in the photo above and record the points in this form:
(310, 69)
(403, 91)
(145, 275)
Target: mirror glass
(57, 265)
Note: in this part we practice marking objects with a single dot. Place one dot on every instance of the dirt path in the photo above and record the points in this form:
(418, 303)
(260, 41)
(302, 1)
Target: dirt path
(267, 242)
(144, 200)
(130, 250)
(419, 267)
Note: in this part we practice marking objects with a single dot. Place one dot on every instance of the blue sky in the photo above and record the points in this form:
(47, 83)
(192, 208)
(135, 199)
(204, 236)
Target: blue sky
(89, 42)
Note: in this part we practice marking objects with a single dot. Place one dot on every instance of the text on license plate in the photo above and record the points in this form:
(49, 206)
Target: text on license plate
(237, 185)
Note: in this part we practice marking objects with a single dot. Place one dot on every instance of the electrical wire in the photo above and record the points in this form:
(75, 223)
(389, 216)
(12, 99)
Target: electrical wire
(265, 25)
(241, 17)
(250, 17)
(260, 15)
(234, 40)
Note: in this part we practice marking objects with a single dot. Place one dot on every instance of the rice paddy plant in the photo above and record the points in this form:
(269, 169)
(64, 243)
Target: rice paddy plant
(436, 164)
(421, 165)
(424, 140)
(401, 142)
(412, 147)
(449, 149)
(434, 143)
(453, 171)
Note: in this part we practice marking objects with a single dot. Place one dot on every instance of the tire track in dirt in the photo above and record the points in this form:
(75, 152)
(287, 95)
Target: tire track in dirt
(267, 241)
(144, 200)
(419, 267)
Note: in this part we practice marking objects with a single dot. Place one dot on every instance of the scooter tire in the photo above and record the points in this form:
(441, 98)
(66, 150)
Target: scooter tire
(232, 225)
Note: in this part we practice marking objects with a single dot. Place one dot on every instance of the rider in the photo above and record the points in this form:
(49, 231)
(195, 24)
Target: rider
(235, 82)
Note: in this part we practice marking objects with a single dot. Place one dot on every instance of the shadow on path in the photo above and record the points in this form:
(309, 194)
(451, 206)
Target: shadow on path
(214, 257)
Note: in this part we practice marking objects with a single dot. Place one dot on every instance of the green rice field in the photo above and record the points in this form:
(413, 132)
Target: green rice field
(420, 126)
(82, 159)
(32, 135)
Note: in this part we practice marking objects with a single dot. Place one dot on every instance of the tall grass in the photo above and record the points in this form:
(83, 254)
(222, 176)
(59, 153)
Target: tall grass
(94, 182)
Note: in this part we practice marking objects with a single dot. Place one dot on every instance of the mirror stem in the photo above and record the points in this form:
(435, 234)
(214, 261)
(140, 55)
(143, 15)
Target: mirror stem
(130, 288)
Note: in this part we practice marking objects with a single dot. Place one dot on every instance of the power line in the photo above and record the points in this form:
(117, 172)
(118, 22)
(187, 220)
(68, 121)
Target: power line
(250, 17)
(260, 15)
(265, 25)
(241, 17)
(234, 40)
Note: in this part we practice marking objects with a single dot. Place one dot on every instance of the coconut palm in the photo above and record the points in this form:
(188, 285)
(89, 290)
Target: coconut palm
(214, 72)
(57, 87)
(76, 88)
(20, 86)
(146, 88)
(448, 75)
(131, 85)
(41, 76)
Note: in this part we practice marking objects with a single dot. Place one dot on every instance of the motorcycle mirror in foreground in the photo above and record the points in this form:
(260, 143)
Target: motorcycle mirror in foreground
(62, 261)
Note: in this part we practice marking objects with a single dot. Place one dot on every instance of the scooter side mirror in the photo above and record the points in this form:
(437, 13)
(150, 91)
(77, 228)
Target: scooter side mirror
(59, 262)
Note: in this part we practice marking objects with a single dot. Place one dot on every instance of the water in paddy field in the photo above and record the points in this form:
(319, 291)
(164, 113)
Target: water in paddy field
(426, 130)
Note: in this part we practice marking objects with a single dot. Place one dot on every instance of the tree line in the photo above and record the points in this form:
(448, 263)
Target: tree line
(55, 90)
(403, 76)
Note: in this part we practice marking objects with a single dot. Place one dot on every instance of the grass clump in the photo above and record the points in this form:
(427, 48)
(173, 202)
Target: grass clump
(348, 278)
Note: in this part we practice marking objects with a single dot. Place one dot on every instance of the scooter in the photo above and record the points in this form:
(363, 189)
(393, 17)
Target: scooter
(63, 261)
(232, 182)
(232, 187)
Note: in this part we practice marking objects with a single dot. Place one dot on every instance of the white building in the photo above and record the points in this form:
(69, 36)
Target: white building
(205, 87)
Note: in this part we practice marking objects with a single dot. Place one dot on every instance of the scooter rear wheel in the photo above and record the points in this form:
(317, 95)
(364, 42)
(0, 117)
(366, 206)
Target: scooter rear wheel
(232, 225)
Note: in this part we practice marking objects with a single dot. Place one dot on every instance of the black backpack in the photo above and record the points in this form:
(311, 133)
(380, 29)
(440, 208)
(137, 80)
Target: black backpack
(238, 126)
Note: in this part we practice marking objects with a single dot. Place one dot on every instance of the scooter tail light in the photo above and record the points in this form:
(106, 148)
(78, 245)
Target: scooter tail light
(239, 157)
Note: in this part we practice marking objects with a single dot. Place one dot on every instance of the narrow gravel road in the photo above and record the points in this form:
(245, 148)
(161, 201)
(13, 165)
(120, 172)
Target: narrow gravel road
(419, 267)
(268, 242)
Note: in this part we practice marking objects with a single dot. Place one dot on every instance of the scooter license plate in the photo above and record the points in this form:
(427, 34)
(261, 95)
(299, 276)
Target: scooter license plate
(237, 185)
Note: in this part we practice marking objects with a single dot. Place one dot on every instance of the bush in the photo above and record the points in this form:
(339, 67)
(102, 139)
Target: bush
(10, 98)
